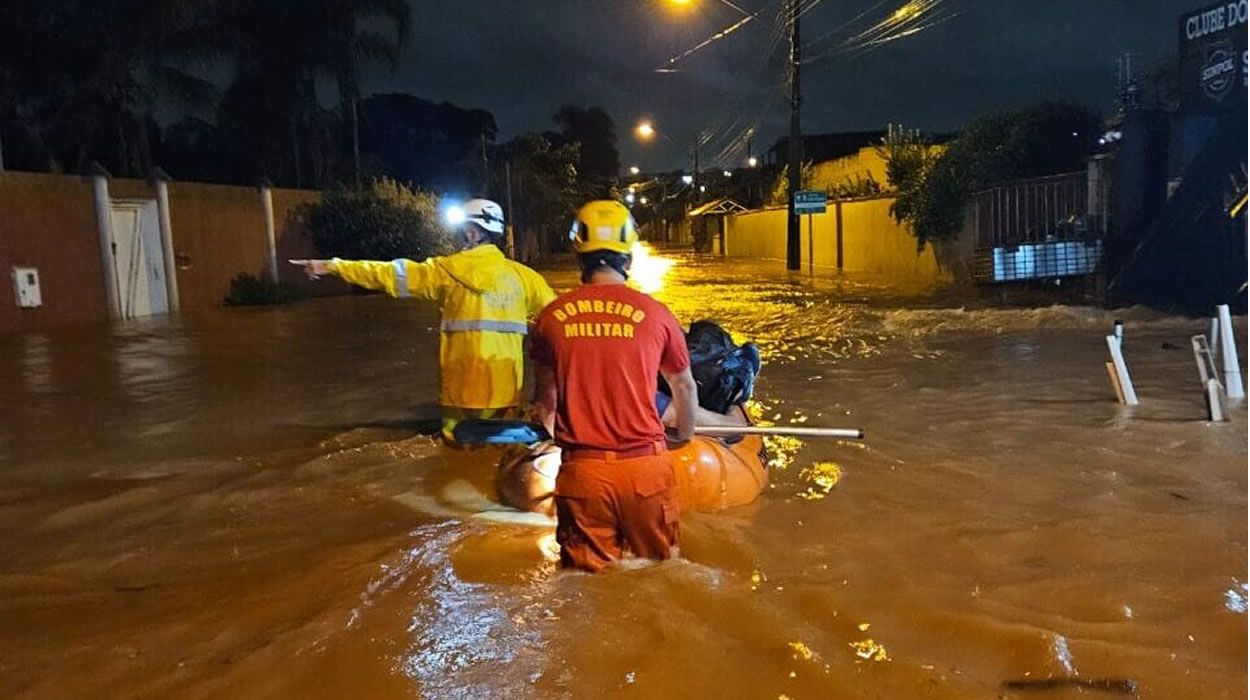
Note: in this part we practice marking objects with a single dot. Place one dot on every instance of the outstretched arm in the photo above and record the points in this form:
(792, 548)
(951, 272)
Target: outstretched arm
(399, 278)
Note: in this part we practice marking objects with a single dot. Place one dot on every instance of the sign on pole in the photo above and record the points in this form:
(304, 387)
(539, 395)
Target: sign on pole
(810, 201)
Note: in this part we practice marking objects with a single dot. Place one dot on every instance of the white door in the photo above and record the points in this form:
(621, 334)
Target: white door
(137, 259)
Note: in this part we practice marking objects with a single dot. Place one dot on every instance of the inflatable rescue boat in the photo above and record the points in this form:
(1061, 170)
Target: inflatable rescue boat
(712, 474)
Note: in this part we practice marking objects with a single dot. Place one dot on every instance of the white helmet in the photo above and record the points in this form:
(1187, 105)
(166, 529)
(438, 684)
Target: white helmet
(486, 214)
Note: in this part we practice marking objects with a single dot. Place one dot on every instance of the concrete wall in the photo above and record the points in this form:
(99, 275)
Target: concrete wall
(864, 165)
(872, 242)
(49, 222)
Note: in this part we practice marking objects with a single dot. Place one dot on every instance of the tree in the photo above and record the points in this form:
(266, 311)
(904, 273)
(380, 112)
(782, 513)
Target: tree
(546, 188)
(279, 50)
(85, 76)
(1045, 139)
(383, 221)
(909, 161)
(595, 132)
(436, 146)
(780, 191)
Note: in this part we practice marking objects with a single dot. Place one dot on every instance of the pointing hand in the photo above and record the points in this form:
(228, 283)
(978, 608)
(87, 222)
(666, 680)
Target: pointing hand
(313, 268)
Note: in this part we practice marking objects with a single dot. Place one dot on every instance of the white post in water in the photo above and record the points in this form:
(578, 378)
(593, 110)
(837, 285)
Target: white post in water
(104, 228)
(271, 245)
(1121, 371)
(1212, 390)
(1228, 353)
(161, 182)
(1213, 338)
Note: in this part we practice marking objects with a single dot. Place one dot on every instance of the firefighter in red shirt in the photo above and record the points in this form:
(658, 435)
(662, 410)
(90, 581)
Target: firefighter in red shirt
(597, 351)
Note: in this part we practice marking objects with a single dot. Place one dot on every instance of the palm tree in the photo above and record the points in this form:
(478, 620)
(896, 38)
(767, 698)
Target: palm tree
(280, 51)
(351, 46)
(87, 75)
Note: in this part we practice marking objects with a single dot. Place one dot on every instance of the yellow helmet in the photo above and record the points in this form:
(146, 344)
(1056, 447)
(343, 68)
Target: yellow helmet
(604, 225)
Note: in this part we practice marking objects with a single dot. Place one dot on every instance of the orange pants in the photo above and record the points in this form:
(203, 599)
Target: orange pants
(605, 506)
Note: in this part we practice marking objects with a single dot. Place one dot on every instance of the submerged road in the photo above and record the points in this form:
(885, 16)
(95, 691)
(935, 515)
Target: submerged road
(240, 505)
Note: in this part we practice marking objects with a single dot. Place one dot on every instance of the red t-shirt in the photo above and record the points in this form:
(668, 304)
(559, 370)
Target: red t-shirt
(607, 343)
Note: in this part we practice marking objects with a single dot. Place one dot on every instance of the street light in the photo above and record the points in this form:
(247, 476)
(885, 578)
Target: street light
(633, 170)
(687, 179)
(726, 173)
(643, 201)
(645, 131)
(794, 10)
(753, 162)
(629, 198)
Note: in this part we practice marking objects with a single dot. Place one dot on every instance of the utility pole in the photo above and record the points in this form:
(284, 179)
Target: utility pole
(793, 237)
(355, 142)
(485, 169)
(750, 175)
(511, 227)
(695, 176)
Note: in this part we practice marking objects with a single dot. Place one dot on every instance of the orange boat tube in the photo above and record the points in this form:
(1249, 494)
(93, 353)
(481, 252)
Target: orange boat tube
(711, 475)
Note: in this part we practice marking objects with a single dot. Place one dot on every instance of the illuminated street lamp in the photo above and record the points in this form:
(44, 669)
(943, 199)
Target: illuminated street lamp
(753, 162)
(629, 198)
(646, 131)
(633, 170)
(726, 173)
(643, 200)
(794, 9)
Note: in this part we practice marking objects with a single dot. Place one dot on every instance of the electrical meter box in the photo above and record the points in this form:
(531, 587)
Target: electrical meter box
(26, 287)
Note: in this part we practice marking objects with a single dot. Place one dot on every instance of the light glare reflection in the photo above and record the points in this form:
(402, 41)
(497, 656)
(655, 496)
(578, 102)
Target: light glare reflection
(648, 271)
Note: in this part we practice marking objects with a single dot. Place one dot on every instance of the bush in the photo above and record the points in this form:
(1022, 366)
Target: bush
(248, 290)
(933, 187)
(383, 221)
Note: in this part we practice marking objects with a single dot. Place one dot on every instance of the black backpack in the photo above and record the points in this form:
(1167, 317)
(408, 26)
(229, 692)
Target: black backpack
(724, 371)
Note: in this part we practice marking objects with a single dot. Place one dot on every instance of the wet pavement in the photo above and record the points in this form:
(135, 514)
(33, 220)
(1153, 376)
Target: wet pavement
(241, 505)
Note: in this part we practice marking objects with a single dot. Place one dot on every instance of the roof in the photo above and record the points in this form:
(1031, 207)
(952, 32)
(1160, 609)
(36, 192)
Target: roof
(819, 148)
(822, 147)
(717, 206)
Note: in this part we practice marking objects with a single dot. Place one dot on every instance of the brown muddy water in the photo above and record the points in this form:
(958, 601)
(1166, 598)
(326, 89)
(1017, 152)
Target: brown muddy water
(241, 505)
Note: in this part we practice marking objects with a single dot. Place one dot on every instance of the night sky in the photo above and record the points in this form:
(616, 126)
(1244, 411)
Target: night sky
(523, 59)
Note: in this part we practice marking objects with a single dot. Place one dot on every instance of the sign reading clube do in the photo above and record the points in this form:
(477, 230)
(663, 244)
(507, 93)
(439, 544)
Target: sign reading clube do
(1213, 57)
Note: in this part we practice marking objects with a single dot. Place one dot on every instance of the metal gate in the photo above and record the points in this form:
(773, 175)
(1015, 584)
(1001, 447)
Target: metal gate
(1043, 228)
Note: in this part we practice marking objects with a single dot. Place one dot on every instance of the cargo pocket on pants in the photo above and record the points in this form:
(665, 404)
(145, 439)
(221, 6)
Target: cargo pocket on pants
(653, 483)
(657, 511)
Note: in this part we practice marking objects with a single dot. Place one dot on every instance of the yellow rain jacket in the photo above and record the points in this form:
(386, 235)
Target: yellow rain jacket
(486, 300)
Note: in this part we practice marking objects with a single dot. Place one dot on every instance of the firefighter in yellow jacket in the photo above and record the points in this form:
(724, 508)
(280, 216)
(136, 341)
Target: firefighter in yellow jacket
(486, 301)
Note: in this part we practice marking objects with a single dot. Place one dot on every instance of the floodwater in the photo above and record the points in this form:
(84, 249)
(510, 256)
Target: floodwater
(242, 505)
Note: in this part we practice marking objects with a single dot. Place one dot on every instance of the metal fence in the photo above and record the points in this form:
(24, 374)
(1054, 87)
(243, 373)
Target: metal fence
(1053, 208)
(1046, 227)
